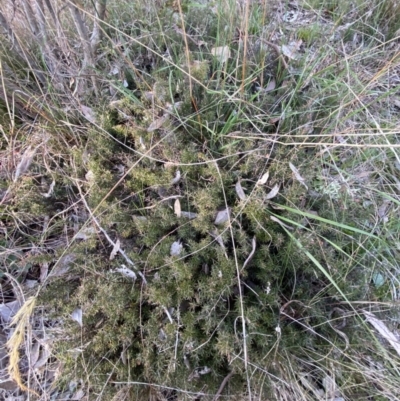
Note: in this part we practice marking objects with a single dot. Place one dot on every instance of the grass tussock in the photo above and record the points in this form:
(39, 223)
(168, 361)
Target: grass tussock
(200, 199)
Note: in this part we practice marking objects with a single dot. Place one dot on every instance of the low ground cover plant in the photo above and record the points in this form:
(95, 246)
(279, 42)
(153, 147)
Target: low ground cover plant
(199, 200)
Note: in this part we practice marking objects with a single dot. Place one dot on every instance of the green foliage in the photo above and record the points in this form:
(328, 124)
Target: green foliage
(253, 294)
(187, 317)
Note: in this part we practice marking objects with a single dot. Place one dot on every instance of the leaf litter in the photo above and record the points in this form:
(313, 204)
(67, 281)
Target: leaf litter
(125, 271)
(76, 315)
(115, 250)
(274, 191)
(383, 330)
(176, 248)
(177, 208)
(239, 191)
(177, 178)
(263, 180)
(222, 53)
(222, 217)
(25, 162)
(158, 123)
(296, 173)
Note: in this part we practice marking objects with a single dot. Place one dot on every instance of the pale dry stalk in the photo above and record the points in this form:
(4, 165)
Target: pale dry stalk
(88, 53)
(100, 9)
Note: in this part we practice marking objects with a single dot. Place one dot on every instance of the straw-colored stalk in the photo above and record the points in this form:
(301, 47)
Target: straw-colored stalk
(21, 322)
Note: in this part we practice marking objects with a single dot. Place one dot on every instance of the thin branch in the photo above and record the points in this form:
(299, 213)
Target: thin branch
(100, 8)
(278, 51)
(88, 60)
(6, 26)
(30, 15)
(14, 48)
(222, 386)
(83, 34)
(253, 249)
(120, 251)
(51, 11)
(41, 21)
(241, 302)
(20, 100)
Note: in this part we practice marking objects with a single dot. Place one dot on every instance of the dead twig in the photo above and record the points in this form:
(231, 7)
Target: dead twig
(277, 50)
(120, 251)
(88, 54)
(100, 11)
(222, 386)
(340, 326)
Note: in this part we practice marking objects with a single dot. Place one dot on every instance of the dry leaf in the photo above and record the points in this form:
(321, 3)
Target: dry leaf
(176, 248)
(205, 370)
(139, 218)
(186, 361)
(263, 180)
(290, 16)
(8, 310)
(383, 210)
(86, 233)
(62, 267)
(331, 388)
(177, 208)
(341, 139)
(291, 49)
(78, 395)
(125, 272)
(45, 354)
(274, 191)
(161, 335)
(310, 386)
(156, 124)
(115, 250)
(50, 191)
(176, 178)
(296, 173)
(239, 191)
(189, 215)
(30, 284)
(25, 162)
(34, 353)
(169, 312)
(223, 53)
(273, 218)
(383, 330)
(222, 217)
(77, 316)
(90, 177)
(271, 86)
(215, 234)
(148, 96)
(88, 113)
(274, 120)
(120, 168)
(173, 107)
(253, 249)
(44, 271)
